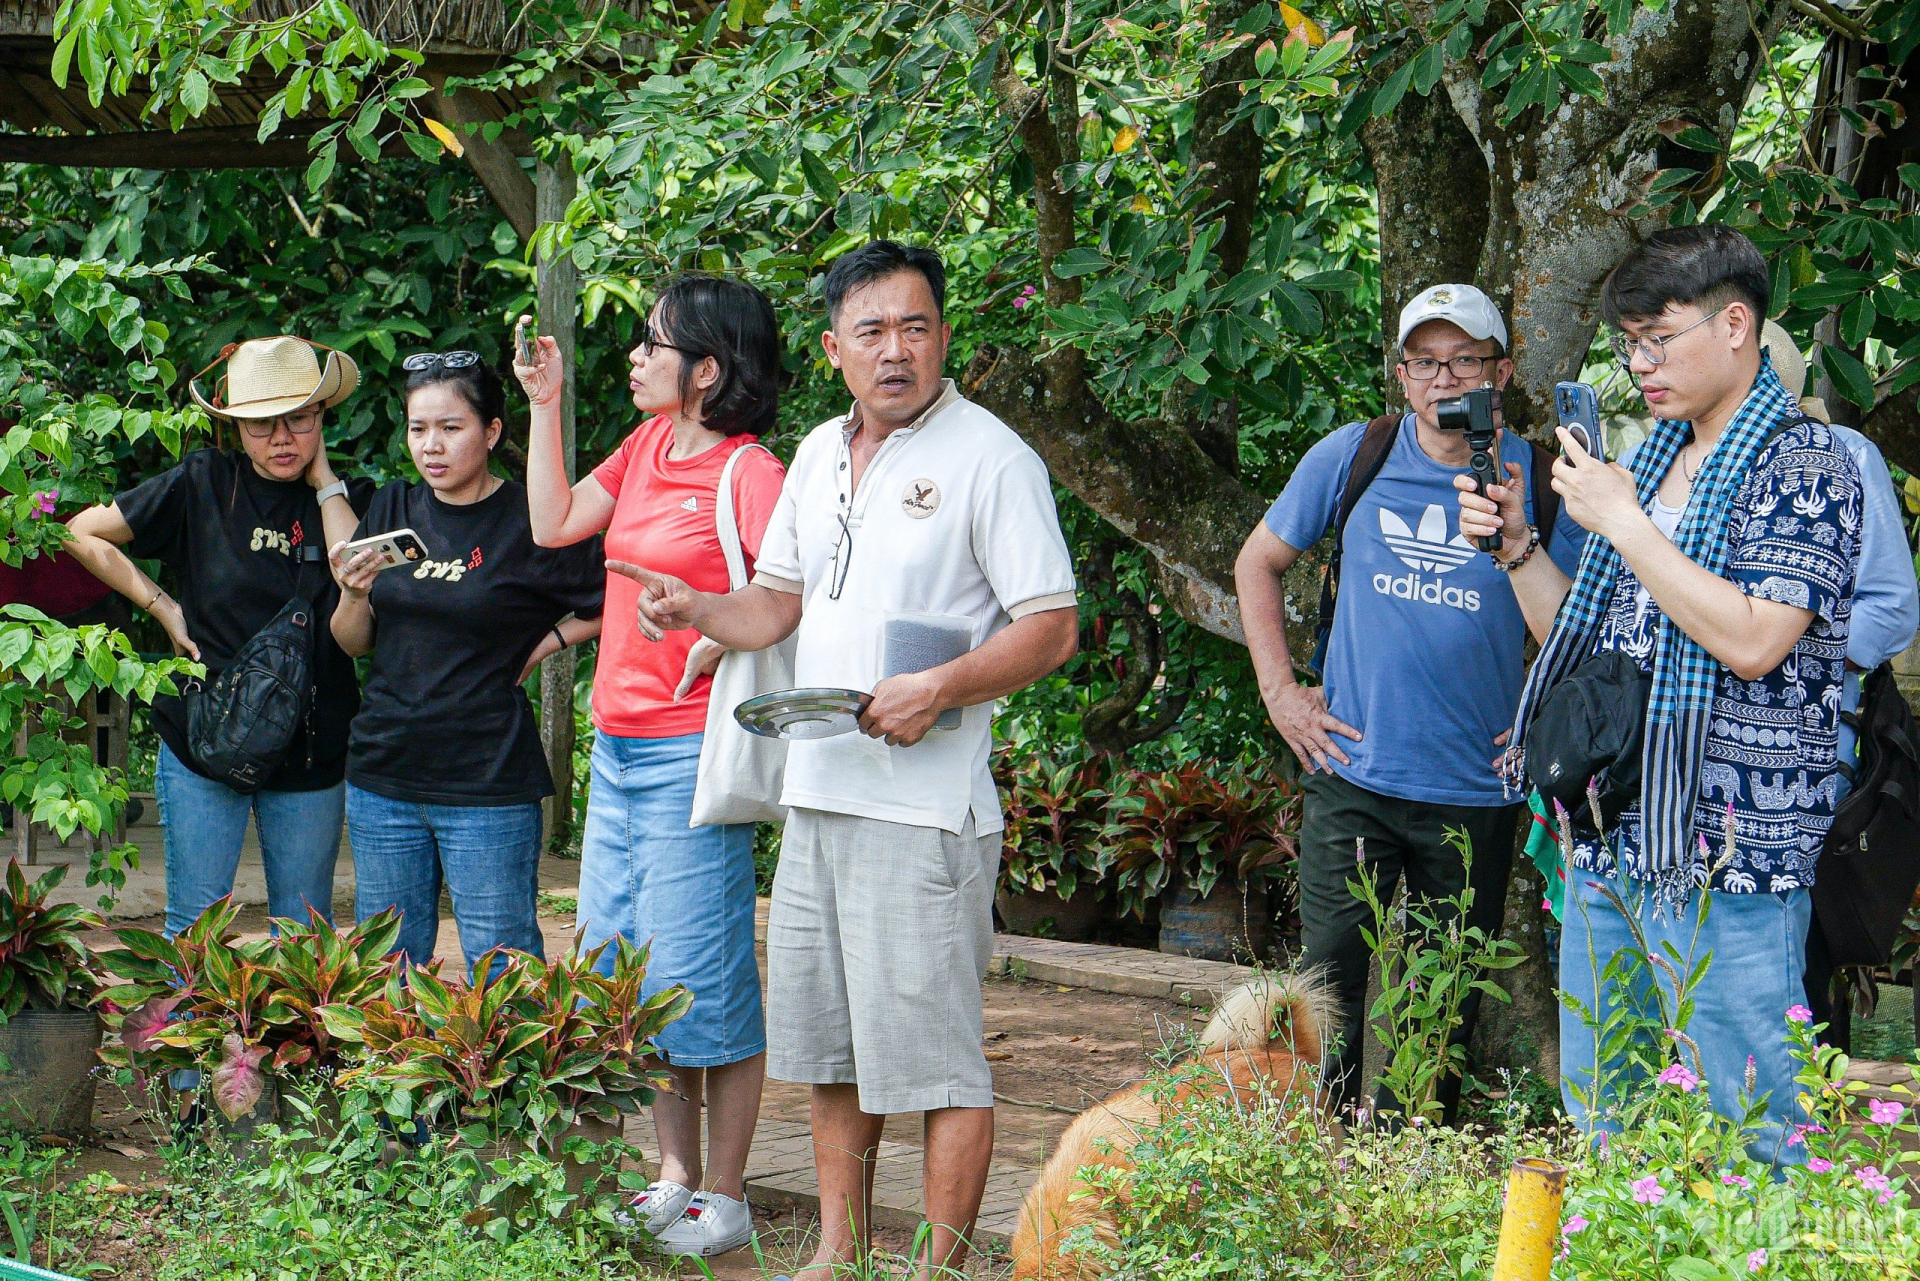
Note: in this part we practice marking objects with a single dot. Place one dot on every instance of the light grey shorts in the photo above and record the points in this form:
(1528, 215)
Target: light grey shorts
(879, 936)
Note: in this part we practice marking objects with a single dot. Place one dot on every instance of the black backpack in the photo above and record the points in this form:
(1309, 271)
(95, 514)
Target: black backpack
(1870, 864)
(242, 723)
(1375, 444)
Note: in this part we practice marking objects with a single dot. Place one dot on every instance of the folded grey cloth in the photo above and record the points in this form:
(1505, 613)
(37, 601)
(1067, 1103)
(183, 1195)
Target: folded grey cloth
(917, 641)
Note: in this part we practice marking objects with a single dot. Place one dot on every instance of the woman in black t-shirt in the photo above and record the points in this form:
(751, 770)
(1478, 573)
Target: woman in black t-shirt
(240, 532)
(445, 771)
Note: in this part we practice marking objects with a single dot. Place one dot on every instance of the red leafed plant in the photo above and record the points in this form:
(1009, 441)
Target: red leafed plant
(1199, 823)
(1055, 814)
(241, 1009)
(44, 963)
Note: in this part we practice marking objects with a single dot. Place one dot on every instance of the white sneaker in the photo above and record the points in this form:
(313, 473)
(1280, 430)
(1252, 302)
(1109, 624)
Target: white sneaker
(713, 1224)
(658, 1208)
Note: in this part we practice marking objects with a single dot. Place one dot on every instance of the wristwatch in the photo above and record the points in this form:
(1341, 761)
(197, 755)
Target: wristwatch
(338, 487)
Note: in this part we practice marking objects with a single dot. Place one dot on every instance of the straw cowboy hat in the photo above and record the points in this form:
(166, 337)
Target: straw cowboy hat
(268, 377)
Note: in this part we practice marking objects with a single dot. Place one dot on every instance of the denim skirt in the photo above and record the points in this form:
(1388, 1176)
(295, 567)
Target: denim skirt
(688, 891)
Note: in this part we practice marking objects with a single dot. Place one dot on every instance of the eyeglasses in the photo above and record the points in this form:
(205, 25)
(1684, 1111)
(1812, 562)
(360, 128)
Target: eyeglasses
(649, 341)
(301, 423)
(1652, 347)
(424, 360)
(1465, 368)
(842, 557)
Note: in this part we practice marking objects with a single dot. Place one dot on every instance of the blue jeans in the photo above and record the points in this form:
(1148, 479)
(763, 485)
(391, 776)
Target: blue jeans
(647, 876)
(487, 856)
(206, 822)
(1758, 944)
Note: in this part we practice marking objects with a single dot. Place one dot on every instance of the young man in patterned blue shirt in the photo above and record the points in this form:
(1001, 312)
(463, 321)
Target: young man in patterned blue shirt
(1724, 564)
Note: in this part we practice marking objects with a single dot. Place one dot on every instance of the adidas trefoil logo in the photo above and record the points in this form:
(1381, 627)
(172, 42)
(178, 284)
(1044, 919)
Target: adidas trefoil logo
(1428, 548)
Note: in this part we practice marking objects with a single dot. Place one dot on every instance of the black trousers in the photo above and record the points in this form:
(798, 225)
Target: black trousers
(1403, 839)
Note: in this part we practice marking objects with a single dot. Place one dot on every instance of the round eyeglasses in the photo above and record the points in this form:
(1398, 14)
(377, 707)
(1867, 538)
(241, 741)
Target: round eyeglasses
(1651, 347)
(423, 360)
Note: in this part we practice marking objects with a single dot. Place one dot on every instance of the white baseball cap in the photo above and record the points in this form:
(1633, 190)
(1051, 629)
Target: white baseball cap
(1464, 305)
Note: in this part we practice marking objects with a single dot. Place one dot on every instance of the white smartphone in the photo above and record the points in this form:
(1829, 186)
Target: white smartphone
(396, 547)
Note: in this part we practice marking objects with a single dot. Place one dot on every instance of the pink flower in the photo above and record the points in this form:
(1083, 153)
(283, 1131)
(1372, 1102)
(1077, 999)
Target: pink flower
(1756, 1260)
(1799, 1014)
(43, 502)
(1648, 1191)
(1019, 303)
(1677, 1074)
(1575, 1226)
(1736, 1181)
(1026, 296)
(1819, 1165)
(1885, 1111)
(1872, 1180)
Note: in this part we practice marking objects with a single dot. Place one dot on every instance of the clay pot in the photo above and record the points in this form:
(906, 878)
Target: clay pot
(50, 1055)
(1229, 924)
(1044, 914)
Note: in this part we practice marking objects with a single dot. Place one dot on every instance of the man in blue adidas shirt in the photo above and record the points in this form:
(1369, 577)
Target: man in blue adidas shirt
(1423, 666)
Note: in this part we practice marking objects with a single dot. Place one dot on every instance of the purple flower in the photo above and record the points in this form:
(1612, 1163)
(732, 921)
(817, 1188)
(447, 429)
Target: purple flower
(1575, 1226)
(1799, 1014)
(1736, 1181)
(1818, 1164)
(1648, 1191)
(1885, 1111)
(43, 502)
(1872, 1180)
(1677, 1074)
(1756, 1260)
(1026, 296)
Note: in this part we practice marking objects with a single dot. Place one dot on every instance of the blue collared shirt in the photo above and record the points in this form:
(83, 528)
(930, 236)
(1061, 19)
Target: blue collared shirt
(1886, 594)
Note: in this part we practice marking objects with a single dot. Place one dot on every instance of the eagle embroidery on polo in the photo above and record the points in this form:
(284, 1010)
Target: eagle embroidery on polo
(921, 499)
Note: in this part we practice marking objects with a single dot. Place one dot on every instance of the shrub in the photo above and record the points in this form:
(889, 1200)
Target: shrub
(243, 1010)
(1055, 811)
(1199, 823)
(44, 963)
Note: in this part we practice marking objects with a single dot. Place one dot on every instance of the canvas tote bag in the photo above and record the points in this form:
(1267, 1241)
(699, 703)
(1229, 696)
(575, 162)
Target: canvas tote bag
(741, 774)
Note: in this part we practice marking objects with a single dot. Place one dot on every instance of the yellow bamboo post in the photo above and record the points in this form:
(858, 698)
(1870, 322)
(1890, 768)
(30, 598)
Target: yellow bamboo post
(1530, 1227)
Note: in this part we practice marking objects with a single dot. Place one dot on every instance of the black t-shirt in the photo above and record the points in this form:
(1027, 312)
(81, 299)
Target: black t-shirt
(231, 539)
(444, 720)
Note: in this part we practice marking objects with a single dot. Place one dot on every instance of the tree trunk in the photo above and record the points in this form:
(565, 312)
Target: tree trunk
(558, 284)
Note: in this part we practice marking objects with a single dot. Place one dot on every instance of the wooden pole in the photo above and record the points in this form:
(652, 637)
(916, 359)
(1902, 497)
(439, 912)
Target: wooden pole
(558, 283)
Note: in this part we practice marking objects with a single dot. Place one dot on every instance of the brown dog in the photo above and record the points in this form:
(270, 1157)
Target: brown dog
(1265, 1035)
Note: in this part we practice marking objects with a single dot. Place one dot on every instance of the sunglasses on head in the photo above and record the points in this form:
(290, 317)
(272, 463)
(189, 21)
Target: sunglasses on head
(440, 360)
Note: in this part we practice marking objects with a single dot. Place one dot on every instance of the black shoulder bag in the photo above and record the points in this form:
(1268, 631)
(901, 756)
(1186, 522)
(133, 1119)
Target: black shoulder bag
(242, 723)
(1870, 864)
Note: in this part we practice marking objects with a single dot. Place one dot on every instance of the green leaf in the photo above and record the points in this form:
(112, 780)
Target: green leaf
(1078, 262)
(819, 177)
(1388, 96)
(955, 30)
(322, 167)
(62, 57)
(762, 166)
(1849, 376)
(193, 92)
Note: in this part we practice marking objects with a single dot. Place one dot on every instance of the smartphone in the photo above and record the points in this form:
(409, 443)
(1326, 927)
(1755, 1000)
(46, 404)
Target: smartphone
(1579, 411)
(525, 339)
(396, 547)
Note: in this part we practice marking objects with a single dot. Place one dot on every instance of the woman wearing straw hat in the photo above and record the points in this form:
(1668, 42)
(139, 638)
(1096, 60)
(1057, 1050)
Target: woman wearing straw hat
(240, 531)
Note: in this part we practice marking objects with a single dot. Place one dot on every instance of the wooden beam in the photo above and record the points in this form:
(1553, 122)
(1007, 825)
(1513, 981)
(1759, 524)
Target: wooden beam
(557, 281)
(492, 162)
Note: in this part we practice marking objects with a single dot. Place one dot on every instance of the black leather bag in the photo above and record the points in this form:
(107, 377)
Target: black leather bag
(1870, 864)
(1591, 727)
(242, 723)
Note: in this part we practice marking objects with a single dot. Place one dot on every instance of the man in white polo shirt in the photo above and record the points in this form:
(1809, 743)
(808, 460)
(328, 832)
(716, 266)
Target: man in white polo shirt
(917, 501)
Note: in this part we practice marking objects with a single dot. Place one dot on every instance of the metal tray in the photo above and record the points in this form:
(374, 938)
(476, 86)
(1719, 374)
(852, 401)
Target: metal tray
(803, 713)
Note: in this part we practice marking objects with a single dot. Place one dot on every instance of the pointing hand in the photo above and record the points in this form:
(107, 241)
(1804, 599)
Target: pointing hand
(666, 603)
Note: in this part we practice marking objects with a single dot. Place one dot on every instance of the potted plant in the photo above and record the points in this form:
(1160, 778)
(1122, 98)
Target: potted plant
(251, 1014)
(1206, 843)
(1052, 859)
(537, 1056)
(49, 1034)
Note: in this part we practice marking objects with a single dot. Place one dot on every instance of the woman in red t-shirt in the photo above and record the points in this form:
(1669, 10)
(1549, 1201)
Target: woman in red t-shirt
(707, 371)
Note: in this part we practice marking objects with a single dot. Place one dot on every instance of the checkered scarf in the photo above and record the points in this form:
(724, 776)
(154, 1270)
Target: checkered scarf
(1684, 674)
